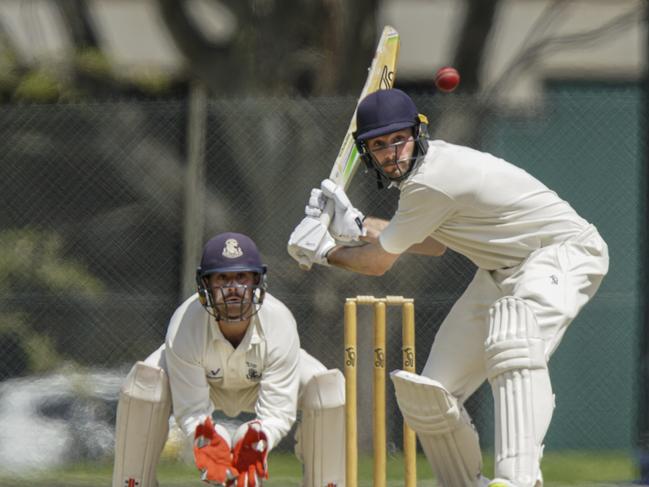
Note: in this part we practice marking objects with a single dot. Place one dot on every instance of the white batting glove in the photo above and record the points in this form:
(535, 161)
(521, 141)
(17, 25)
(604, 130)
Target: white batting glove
(316, 204)
(347, 223)
(310, 243)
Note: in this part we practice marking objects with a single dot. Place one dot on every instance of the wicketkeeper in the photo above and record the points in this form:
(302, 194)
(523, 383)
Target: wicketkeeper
(538, 264)
(235, 348)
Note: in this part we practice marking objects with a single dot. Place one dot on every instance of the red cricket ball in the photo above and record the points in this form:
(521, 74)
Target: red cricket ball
(447, 79)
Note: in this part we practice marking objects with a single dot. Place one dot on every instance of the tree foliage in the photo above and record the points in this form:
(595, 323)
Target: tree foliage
(306, 47)
(35, 274)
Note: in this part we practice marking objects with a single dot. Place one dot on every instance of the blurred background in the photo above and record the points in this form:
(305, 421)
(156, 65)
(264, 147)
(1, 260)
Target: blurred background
(134, 130)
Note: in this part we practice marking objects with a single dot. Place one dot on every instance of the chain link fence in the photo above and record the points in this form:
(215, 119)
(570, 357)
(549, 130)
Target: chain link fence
(93, 231)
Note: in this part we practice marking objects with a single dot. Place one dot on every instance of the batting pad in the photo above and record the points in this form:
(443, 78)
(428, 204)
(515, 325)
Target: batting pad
(444, 428)
(142, 426)
(520, 383)
(321, 433)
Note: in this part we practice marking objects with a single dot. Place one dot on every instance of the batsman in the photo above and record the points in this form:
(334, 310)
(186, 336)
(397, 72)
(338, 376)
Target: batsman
(538, 263)
(234, 348)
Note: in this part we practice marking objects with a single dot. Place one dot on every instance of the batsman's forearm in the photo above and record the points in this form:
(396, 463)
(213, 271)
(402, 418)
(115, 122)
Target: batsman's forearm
(369, 259)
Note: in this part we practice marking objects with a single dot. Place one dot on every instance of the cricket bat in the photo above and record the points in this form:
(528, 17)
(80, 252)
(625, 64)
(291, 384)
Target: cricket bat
(380, 76)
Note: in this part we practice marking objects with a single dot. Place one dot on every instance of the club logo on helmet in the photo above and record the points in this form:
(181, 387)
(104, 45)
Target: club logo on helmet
(232, 249)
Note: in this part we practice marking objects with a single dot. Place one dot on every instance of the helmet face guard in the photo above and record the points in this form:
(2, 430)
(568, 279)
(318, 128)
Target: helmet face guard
(232, 301)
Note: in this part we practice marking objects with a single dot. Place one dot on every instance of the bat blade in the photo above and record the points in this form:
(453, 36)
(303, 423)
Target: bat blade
(381, 75)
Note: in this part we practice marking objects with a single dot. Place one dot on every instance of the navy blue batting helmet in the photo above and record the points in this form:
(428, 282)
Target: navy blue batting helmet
(383, 112)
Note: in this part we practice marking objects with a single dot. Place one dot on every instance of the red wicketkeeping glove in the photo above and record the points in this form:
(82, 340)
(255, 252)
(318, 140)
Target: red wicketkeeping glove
(250, 454)
(212, 454)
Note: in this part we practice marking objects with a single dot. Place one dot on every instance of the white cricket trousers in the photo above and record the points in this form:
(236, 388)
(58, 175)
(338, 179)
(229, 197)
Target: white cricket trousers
(556, 281)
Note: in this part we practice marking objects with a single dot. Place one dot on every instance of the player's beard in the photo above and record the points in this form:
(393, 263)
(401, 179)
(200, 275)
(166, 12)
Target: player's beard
(234, 306)
(403, 166)
(400, 167)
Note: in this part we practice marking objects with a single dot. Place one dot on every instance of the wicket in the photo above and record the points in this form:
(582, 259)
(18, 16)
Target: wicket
(378, 390)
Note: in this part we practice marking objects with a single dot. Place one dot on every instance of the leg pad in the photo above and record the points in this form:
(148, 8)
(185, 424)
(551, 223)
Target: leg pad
(321, 433)
(142, 426)
(444, 428)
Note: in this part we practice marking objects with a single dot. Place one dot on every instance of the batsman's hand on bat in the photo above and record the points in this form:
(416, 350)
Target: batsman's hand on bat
(212, 454)
(310, 243)
(250, 454)
(347, 223)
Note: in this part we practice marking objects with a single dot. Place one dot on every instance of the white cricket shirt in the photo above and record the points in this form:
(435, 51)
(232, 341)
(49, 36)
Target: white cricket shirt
(480, 206)
(260, 375)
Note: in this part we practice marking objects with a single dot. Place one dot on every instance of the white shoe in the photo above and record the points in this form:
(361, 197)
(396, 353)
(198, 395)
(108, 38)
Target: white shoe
(506, 483)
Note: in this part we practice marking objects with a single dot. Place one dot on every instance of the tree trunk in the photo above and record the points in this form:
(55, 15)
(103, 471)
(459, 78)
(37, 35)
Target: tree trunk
(473, 40)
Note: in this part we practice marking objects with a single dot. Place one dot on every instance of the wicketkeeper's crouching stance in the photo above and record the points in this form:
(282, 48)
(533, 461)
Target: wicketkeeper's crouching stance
(235, 348)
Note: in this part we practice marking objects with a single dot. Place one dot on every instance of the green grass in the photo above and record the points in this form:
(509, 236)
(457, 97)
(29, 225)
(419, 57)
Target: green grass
(576, 468)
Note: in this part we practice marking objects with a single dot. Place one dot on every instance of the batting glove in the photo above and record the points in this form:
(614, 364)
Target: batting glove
(316, 204)
(212, 454)
(310, 243)
(250, 454)
(347, 223)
